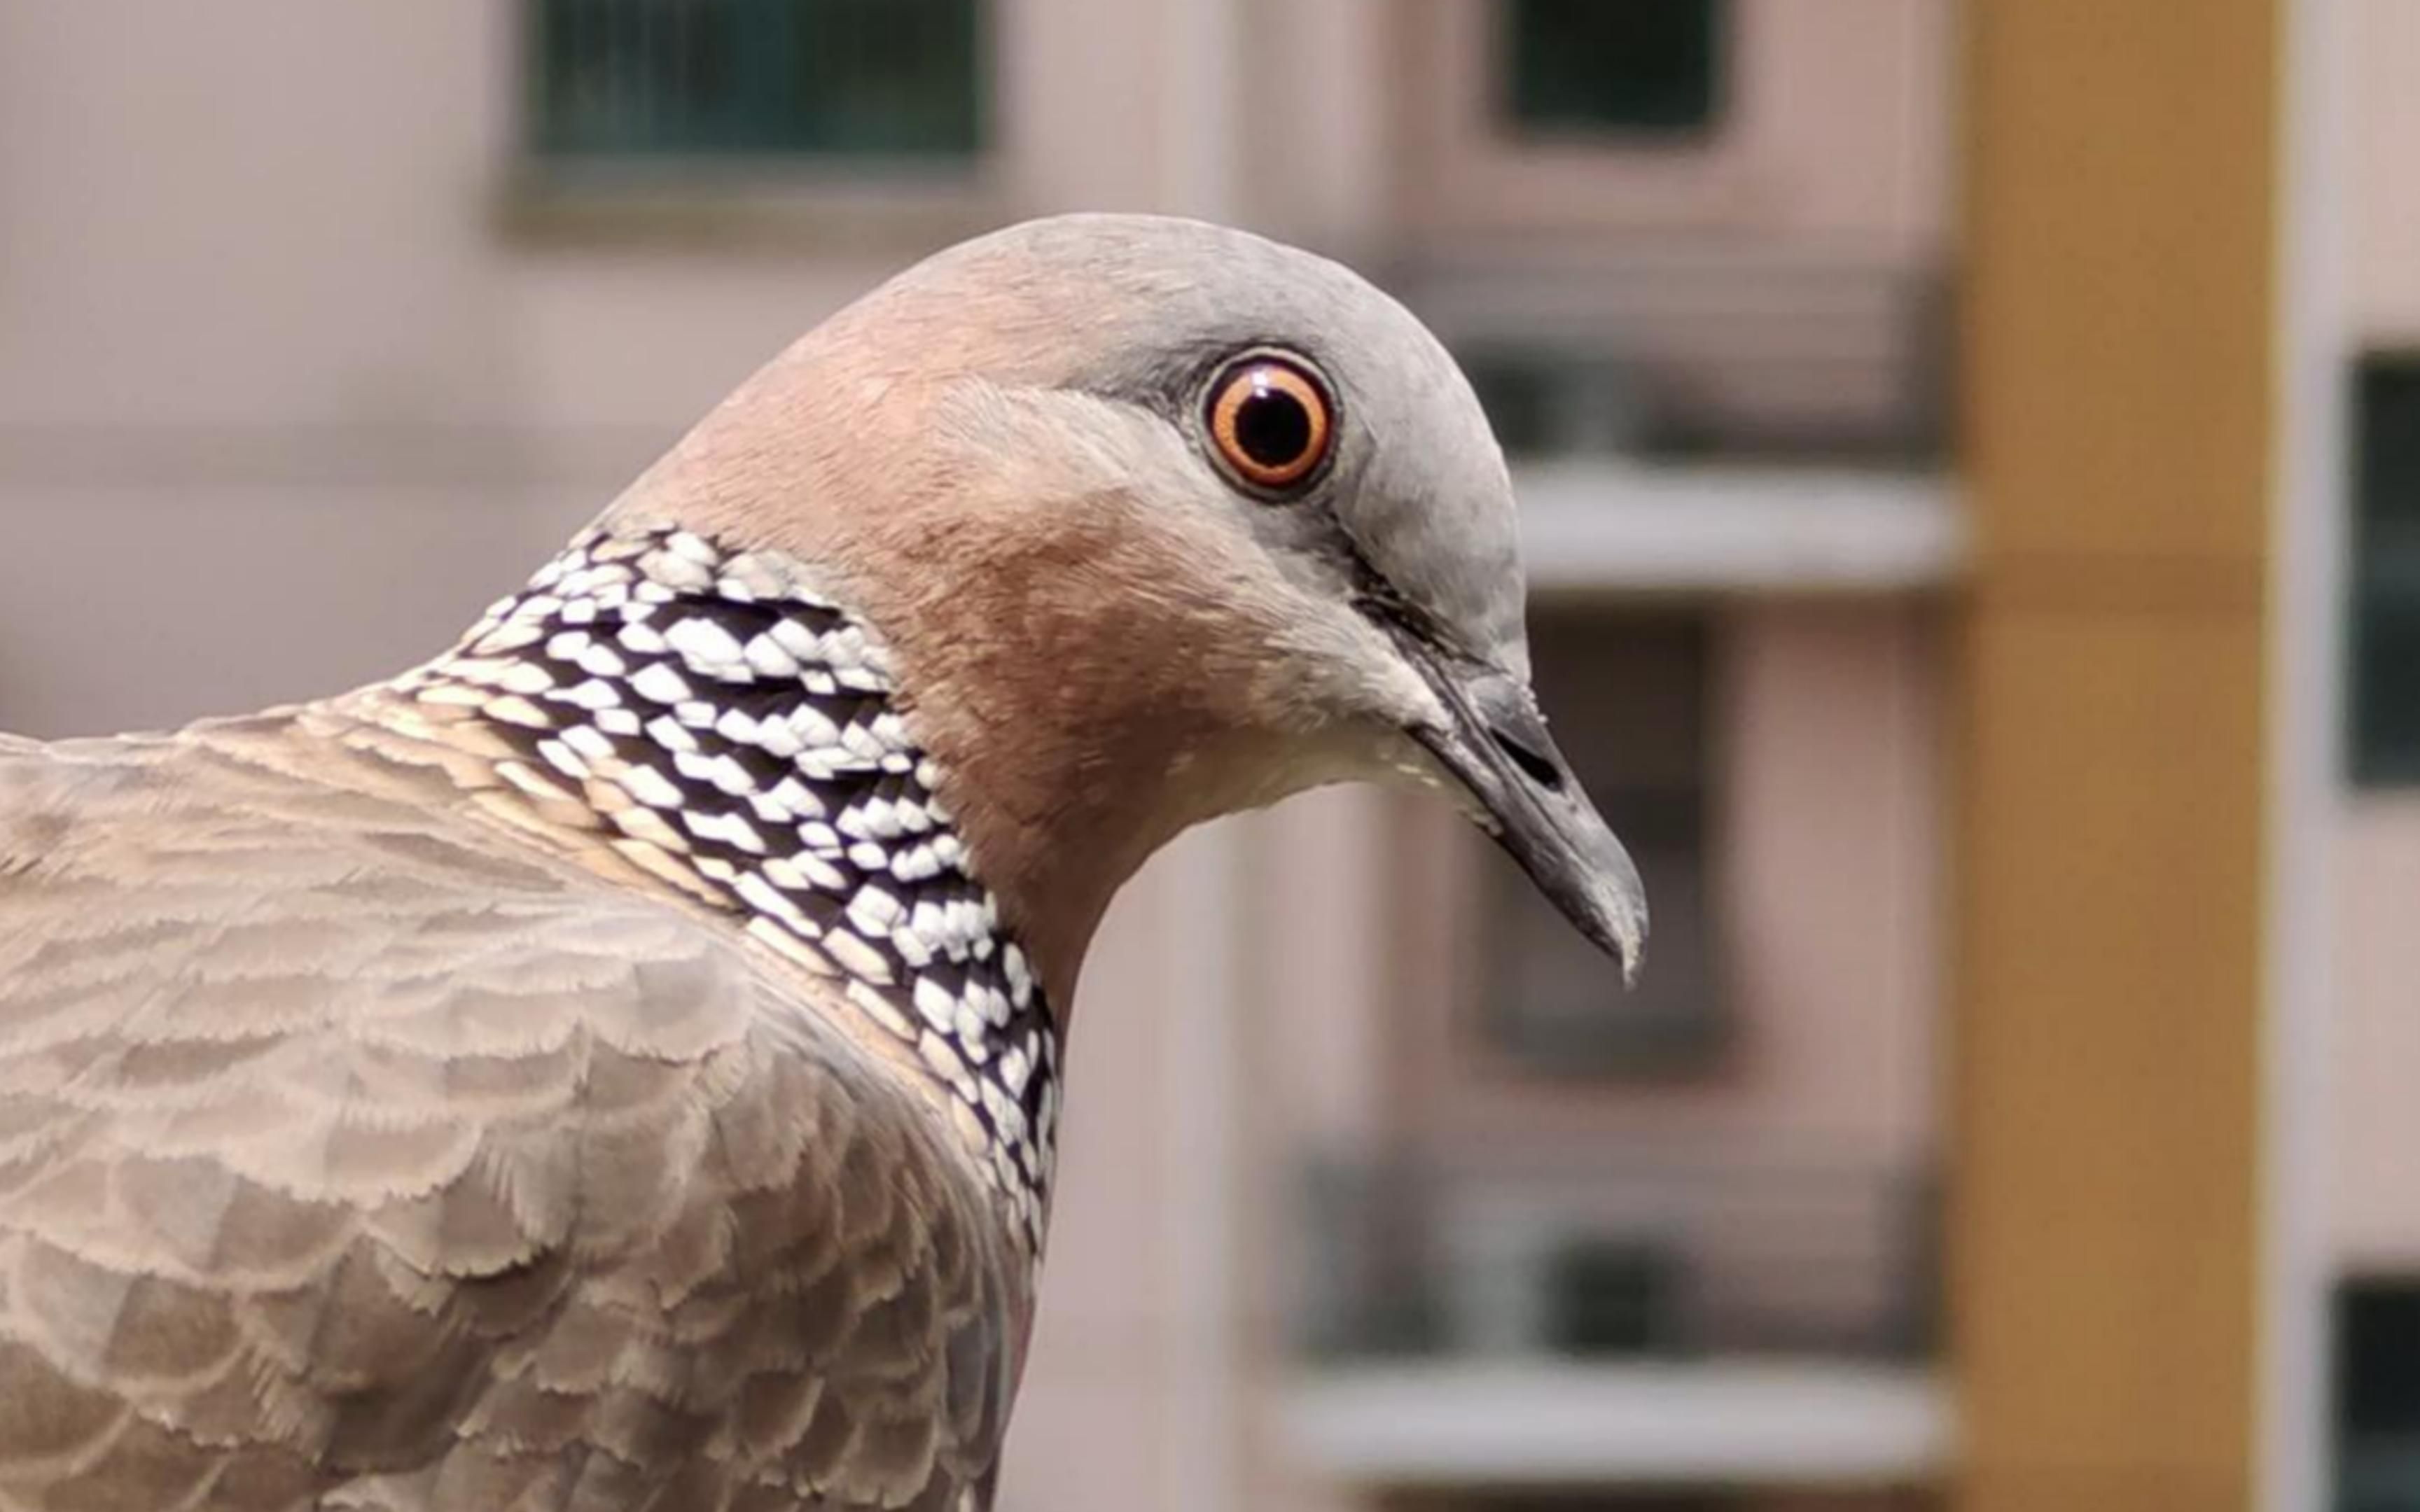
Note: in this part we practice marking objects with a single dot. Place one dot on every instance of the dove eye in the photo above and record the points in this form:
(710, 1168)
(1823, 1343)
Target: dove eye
(1270, 421)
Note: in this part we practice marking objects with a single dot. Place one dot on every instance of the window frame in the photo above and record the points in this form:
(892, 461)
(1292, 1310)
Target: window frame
(897, 207)
(1508, 118)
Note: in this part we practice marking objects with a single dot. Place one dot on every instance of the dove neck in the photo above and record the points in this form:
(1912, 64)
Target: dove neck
(713, 721)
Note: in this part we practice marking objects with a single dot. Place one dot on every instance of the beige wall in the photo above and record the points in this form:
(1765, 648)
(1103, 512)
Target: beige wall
(2384, 187)
(1835, 136)
(2375, 1134)
(2375, 1037)
(281, 402)
(2375, 1108)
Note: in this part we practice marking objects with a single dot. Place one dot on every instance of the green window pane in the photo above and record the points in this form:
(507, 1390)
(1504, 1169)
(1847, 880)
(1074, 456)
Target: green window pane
(2388, 402)
(2384, 690)
(757, 77)
(1612, 66)
(2377, 1396)
(1518, 398)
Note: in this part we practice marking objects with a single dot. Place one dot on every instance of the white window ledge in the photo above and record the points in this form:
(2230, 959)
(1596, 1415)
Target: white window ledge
(892, 208)
(1548, 1424)
(1610, 527)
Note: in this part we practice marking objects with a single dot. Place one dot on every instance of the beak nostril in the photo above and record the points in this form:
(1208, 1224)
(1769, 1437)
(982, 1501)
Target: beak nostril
(1534, 764)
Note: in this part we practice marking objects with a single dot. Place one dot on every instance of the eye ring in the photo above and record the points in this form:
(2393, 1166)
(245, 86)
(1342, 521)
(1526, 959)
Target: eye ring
(1271, 423)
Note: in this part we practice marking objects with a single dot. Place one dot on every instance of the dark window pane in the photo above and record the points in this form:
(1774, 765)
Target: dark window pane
(2385, 690)
(1612, 65)
(707, 77)
(2378, 1395)
(1607, 1296)
(1549, 403)
(2378, 1358)
(2389, 407)
(2386, 686)
(1519, 400)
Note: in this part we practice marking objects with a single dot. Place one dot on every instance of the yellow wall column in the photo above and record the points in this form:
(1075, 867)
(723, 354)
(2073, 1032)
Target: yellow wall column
(2117, 417)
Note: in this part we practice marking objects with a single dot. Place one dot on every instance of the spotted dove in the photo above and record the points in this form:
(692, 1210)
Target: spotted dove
(613, 1065)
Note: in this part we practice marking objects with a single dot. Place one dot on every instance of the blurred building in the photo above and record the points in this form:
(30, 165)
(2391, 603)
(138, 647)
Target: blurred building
(2373, 1213)
(318, 324)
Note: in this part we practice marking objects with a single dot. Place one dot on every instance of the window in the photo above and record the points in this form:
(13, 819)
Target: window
(2378, 1397)
(1567, 403)
(758, 78)
(1588, 65)
(1628, 693)
(2385, 691)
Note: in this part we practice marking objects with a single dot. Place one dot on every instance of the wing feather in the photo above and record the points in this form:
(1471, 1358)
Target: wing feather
(348, 1159)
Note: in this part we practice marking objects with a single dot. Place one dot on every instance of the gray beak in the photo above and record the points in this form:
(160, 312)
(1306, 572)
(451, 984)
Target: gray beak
(1495, 742)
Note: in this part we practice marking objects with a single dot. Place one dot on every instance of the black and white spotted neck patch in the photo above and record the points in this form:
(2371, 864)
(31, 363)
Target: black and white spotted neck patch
(734, 730)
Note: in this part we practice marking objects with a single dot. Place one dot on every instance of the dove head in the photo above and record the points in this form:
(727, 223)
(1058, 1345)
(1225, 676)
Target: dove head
(1160, 520)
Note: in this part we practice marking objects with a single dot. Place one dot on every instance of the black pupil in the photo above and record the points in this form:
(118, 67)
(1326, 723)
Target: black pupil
(1272, 426)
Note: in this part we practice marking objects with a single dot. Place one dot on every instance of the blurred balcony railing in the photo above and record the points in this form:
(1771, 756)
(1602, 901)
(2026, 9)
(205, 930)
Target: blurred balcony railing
(1620, 1258)
(1645, 348)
